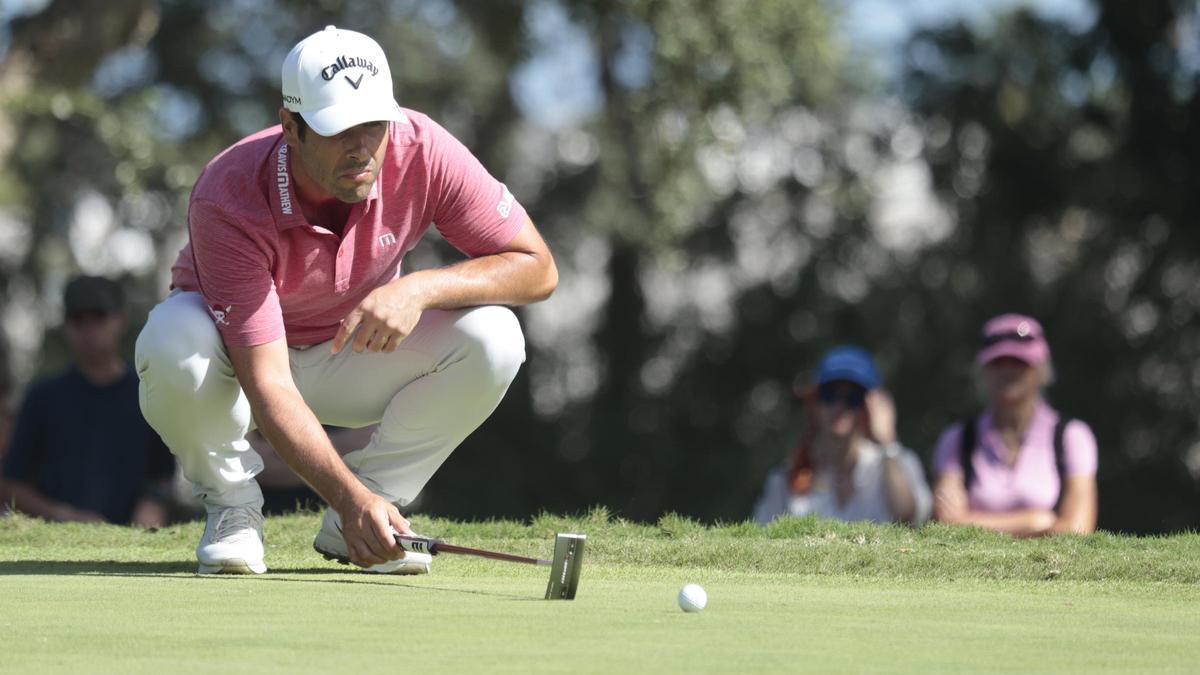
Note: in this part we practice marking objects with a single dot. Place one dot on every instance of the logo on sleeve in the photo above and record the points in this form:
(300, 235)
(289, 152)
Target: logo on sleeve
(220, 316)
(387, 239)
(506, 202)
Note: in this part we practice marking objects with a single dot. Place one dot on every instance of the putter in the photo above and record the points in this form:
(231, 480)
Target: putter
(564, 568)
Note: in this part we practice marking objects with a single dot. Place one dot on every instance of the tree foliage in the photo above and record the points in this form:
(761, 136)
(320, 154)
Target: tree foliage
(731, 202)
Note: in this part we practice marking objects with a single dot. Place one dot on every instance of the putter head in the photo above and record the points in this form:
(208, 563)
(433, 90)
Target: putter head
(564, 569)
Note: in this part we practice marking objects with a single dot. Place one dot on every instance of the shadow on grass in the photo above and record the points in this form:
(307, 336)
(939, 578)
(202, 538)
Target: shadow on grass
(173, 570)
(94, 567)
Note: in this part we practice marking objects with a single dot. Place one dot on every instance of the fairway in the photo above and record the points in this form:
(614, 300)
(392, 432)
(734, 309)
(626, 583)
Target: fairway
(107, 599)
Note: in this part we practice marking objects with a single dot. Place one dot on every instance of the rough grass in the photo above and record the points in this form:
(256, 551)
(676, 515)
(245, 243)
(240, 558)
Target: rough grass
(809, 546)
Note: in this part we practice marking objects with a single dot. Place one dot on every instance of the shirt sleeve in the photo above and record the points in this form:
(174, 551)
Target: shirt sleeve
(27, 445)
(946, 455)
(234, 274)
(1080, 450)
(773, 501)
(473, 211)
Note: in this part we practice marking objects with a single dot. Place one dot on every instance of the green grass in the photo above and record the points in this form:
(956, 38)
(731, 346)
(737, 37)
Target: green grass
(800, 595)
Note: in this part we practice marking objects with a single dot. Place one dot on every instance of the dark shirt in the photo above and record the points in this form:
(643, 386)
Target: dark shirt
(87, 446)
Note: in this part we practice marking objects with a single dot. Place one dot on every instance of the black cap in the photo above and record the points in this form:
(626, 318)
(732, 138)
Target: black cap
(93, 294)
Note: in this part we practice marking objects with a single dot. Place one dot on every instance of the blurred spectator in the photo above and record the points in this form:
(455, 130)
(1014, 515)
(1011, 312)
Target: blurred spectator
(80, 450)
(1028, 470)
(848, 464)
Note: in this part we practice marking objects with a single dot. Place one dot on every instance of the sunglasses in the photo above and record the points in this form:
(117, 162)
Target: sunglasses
(851, 398)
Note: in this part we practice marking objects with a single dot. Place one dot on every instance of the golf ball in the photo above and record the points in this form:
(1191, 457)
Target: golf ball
(692, 598)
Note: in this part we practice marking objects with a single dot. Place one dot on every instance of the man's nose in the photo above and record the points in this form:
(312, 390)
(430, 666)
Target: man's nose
(358, 146)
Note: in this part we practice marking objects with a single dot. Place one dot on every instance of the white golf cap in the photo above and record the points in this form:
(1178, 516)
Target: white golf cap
(336, 79)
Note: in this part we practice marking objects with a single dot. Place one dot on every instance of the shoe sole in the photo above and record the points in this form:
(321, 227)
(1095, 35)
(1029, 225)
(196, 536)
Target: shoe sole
(407, 570)
(233, 567)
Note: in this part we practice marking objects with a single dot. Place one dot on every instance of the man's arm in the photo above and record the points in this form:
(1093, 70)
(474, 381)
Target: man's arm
(521, 273)
(29, 500)
(297, 437)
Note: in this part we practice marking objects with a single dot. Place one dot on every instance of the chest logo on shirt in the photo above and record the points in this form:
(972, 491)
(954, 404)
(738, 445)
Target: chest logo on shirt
(387, 239)
(220, 316)
(506, 201)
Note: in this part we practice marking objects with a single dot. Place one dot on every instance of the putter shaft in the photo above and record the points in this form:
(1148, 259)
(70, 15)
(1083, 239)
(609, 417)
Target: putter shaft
(434, 547)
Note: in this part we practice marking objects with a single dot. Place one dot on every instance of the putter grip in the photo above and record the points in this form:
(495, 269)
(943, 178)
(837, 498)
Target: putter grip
(417, 544)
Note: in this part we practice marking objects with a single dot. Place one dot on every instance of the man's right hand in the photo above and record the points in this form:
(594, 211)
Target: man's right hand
(367, 524)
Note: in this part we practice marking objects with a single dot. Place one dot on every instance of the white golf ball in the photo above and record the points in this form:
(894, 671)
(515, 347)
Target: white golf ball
(692, 598)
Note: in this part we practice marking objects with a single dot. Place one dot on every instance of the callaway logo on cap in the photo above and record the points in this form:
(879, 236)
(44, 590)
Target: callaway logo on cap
(336, 79)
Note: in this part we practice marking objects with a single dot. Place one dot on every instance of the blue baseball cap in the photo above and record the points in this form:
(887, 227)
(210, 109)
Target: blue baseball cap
(849, 363)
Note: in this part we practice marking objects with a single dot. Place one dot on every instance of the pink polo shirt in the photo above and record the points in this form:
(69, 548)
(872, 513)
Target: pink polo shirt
(1033, 482)
(266, 273)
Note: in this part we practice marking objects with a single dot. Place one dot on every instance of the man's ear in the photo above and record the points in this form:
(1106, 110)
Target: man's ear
(291, 133)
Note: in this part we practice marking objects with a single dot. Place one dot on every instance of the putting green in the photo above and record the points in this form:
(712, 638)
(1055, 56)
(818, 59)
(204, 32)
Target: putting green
(138, 607)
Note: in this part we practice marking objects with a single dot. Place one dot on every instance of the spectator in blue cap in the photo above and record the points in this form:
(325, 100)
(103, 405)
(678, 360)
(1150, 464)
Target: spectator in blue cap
(848, 464)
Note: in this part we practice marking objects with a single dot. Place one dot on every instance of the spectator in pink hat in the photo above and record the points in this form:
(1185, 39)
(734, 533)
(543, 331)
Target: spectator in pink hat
(1018, 467)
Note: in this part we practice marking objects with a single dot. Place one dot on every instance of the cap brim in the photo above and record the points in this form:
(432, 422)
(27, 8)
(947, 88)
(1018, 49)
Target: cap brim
(1032, 353)
(335, 119)
(848, 375)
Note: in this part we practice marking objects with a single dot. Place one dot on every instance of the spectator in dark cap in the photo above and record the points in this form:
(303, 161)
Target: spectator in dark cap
(848, 464)
(80, 450)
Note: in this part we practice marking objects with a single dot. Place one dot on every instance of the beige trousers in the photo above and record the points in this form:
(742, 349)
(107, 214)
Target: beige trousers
(439, 385)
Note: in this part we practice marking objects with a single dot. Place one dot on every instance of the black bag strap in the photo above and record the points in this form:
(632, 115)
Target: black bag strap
(1060, 431)
(966, 448)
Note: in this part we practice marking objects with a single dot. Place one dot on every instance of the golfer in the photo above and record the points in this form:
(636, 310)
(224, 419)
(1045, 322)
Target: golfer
(289, 310)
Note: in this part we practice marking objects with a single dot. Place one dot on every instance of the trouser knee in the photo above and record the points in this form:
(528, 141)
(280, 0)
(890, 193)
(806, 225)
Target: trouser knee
(184, 369)
(494, 344)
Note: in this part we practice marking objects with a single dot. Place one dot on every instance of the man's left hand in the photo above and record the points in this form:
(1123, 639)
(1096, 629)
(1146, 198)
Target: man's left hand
(382, 320)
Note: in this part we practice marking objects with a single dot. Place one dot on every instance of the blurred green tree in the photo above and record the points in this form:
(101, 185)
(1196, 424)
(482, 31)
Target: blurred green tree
(728, 195)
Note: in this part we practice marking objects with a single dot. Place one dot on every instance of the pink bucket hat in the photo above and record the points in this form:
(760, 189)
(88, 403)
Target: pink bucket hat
(1016, 336)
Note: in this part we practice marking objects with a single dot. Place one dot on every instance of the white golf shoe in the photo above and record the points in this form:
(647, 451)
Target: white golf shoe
(329, 543)
(232, 541)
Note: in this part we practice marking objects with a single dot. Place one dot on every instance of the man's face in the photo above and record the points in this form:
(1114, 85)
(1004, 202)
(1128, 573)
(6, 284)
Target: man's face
(94, 335)
(345, 165)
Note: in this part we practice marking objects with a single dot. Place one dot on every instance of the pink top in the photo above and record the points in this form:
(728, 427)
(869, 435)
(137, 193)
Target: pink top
(266, 273)
(1033, 482)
